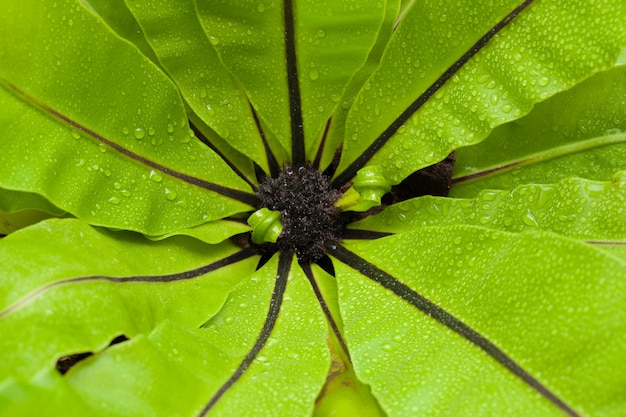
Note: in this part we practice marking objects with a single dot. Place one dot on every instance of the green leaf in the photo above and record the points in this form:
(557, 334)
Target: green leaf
(212, 232)
(132, 140)
(12, 201)
(332, 40)
(70, 271)
(577, 208)
(524, 64)
(18, 210)
(579, 132)
(119, 19)
(176, 371)
(336, 131)
(50, 389)
(176, 35)
(10, 222)
(542, 311)
(506, 303)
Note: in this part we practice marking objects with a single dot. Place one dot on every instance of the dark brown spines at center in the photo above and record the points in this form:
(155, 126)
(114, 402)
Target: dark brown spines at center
(306, 201)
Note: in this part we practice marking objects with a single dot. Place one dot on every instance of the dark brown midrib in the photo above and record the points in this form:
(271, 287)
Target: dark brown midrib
(391, 130)
(442, 316)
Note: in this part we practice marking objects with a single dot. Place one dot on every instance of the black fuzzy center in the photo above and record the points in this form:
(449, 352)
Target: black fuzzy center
(306, 201)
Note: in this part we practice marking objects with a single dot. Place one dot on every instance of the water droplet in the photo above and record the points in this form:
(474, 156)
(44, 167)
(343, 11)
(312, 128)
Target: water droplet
(214, 40)
(544, 81)
(151, 132)
(529, 219)
(260, 8)
(117, 185)
(139, 133)
(203, 93)
(314, 74)
(80, 163)
(125, 130)
(489, 195)
(170, 128)
(114, 200)
(321, 34)
(210, 110)
(125, 193)
(170, 194)
(155, 176)
(75, 135)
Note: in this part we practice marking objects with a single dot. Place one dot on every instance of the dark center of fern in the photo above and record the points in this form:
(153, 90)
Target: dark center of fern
(306, 201)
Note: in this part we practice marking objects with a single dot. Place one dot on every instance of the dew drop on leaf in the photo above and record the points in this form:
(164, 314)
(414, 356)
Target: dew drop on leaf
(488, 195)
(529, 219)
(155, 176)
(314, 74)
(139, 133)
(170, 194)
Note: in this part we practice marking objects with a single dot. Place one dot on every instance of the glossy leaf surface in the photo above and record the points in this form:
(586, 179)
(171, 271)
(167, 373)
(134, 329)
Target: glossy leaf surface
(143, 116)
(332, 40)
(498, 84)
(535, 314)
(577, 208)
(586, 128)
(135, 282)
(150, 129)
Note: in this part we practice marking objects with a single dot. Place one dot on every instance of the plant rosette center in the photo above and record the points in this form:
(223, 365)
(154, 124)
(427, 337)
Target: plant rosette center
(308, 217)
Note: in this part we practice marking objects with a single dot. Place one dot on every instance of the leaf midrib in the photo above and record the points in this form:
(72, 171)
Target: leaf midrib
(546, 155)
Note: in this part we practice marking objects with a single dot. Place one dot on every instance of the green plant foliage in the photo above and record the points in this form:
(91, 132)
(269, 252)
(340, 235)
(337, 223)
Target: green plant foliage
(144, 276)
